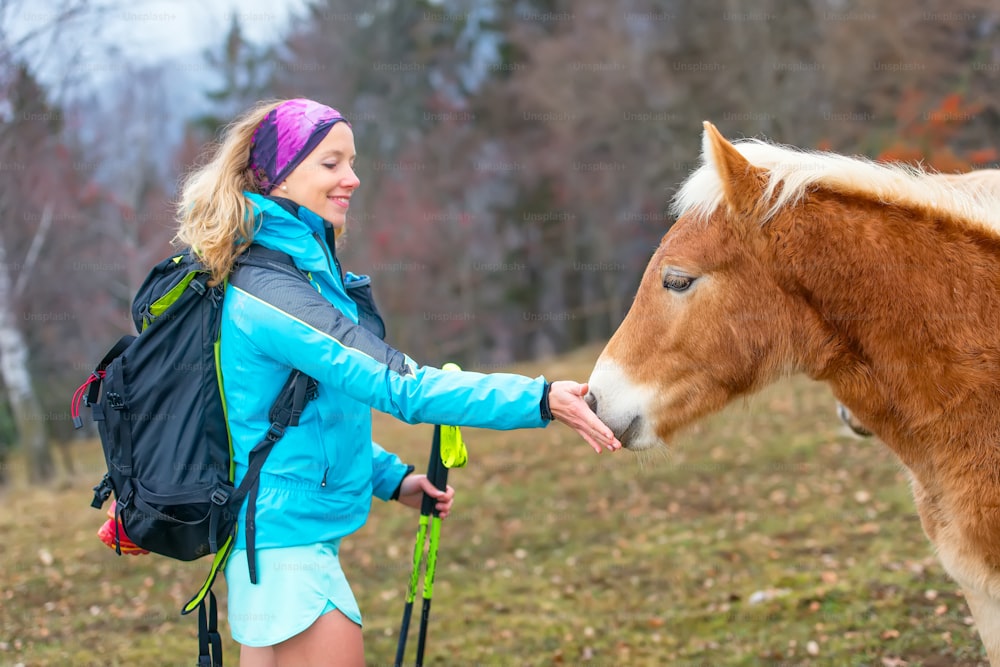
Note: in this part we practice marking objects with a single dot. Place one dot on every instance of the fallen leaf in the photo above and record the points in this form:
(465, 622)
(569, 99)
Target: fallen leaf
(768, 594)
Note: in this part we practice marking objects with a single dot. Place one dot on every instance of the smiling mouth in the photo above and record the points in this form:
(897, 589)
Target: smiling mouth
(342, 202)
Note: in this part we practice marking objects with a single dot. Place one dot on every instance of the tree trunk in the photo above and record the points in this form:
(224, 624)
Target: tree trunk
(27, 412)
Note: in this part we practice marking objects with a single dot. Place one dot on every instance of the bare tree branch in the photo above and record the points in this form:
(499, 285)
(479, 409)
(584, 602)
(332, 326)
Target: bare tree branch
(34, 250)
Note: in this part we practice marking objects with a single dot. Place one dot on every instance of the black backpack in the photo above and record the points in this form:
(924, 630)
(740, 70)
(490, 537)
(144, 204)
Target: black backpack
(162, 422)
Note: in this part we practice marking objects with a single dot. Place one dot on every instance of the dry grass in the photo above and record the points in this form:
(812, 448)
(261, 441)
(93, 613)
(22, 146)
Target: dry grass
(767, 536)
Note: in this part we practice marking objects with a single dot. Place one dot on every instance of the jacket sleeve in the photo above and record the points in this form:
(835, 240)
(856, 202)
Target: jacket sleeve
(292, 323)
(388, 472)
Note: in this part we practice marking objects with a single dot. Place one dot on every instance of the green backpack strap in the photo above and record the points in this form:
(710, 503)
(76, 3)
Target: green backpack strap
(218, 563)
(285, 411)
(209, 639)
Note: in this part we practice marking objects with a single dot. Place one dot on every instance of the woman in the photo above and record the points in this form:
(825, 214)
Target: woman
(283, 178)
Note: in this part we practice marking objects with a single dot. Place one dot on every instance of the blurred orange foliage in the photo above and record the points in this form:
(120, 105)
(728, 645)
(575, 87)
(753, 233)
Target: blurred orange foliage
(927, 134)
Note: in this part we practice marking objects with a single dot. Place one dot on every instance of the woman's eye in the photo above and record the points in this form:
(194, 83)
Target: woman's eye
(677, 282)
(331, 166)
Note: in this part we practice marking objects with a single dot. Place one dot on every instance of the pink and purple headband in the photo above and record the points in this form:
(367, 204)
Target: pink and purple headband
(286, 136)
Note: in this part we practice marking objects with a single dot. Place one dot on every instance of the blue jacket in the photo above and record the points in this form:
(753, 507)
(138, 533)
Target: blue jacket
(318, 482)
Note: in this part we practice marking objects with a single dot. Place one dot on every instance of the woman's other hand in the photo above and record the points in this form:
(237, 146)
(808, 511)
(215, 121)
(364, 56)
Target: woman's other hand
(413, 488)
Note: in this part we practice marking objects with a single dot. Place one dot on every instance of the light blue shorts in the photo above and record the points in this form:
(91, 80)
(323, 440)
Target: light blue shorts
(295, 586)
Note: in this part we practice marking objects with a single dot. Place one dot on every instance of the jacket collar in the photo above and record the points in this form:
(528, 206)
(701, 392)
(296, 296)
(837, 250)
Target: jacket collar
(281, 224)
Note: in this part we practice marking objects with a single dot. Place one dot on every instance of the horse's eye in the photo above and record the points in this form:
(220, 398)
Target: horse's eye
(677, 282)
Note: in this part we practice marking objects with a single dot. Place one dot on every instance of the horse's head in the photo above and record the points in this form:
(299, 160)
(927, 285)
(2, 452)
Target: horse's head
(711, 320)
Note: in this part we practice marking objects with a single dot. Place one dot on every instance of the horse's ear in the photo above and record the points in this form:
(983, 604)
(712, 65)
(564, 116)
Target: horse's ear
(742, 183)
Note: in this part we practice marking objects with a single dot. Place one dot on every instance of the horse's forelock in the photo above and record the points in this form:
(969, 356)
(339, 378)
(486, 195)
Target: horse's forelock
(700, 195)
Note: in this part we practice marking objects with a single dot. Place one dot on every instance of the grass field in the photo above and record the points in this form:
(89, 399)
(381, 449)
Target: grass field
(767, 536)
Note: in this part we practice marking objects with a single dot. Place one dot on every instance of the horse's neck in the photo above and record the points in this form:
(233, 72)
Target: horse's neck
(911, 309)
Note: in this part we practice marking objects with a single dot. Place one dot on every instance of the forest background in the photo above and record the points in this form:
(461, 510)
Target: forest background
(517, 159)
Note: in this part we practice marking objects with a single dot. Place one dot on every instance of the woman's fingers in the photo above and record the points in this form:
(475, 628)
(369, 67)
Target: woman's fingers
(444, 499)
(568, 406)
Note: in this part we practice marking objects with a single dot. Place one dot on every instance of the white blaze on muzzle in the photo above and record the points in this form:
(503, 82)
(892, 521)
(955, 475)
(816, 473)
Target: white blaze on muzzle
(622, 405)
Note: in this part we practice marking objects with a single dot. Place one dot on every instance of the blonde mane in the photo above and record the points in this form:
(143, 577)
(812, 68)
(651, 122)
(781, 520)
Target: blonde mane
(793, 172)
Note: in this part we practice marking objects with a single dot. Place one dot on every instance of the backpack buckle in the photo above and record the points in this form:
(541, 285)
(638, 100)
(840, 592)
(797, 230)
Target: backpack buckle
(275, 433)
(220, 497)
(101, 492)
(312, 390)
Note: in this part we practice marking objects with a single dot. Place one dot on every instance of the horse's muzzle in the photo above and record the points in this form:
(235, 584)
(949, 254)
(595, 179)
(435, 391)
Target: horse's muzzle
(627, 437)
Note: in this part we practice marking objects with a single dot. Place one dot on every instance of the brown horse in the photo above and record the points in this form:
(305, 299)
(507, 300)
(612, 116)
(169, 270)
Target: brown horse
(881, 281)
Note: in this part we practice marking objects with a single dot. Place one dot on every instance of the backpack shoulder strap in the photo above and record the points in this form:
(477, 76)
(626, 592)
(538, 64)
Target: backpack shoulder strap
(266, 258)
(299, 389)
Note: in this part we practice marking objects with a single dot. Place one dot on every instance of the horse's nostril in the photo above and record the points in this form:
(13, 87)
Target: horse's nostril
(591, 401)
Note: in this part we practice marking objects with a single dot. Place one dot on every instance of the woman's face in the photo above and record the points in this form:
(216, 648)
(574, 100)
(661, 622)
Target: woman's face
(325, 180)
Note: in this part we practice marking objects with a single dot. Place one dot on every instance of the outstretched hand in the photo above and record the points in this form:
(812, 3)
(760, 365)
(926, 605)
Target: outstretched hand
(567, 405)
(413, 488)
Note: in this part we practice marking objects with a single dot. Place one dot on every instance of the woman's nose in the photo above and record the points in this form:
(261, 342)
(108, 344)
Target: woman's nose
(352, 181)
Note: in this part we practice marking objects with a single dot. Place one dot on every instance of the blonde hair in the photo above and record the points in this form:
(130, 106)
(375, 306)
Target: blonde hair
(215, 220)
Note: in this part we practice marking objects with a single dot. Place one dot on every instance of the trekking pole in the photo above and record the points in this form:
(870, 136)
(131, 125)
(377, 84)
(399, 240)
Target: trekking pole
(418, 551)
(447, 451)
